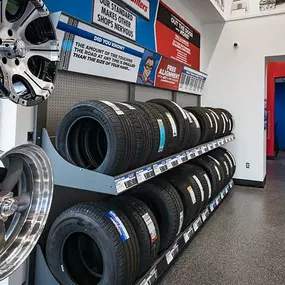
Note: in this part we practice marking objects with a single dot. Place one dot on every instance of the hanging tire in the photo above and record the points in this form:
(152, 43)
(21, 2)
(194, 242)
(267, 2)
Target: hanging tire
(145, 226)
(91, 244)
(110, 144)
(181, 120)
(160, 196)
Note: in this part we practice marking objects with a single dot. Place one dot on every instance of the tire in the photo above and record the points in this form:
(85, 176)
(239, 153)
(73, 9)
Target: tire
(85, 236)
(157, 126)
(230, 158)
(181, 120)
(179, 180)
(171, 127)
(221, 122)
(190, 173)
(163, 200)
(141, 133)
(195, 132)
(222, 171)
(206, 122)
(228, 115)
(145, 226)
(105, 120)
(219, 156)
(213, 172)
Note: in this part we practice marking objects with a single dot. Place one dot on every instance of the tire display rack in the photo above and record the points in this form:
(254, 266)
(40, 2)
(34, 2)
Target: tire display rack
(68, 175)
(43, 275)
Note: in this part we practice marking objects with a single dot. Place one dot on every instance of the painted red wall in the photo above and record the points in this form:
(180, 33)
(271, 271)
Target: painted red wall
(274, 70)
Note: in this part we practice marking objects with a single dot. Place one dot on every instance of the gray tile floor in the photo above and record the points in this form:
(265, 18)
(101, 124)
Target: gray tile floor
(243, 242)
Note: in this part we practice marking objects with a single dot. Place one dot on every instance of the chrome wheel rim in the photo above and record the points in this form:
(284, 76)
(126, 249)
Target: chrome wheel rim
(24, 219)
(29, 52)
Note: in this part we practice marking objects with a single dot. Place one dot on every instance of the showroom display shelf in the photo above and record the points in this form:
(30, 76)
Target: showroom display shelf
(43, 275)
(68, 175)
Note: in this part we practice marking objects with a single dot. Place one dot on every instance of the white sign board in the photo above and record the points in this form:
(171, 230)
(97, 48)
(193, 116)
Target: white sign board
(113, 17)
(142, 7)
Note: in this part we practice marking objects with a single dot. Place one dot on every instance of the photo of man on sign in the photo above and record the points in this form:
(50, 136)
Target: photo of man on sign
(144, 77)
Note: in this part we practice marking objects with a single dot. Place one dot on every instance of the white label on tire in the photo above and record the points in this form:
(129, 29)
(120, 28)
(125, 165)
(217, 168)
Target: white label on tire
(218, 172)
(119, 225)
(114, 107)
(214, 159)
(209, 185)
(229, 160)
(194, 120)
(192, 194)
(227, 168)
(173, 124)
(127, 105)
(200, 186)
(181, 219)
(209, 118)
(230, 122)
(150, 226)
(181, 110)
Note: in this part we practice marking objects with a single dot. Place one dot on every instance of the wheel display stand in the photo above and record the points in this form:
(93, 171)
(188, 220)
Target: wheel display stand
(68, 175)
(43, 275)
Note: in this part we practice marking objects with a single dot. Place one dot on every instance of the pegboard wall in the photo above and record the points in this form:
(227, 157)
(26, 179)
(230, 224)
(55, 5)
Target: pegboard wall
(71, 88)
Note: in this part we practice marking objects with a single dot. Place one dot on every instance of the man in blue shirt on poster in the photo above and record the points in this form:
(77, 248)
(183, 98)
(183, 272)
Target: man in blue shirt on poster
(144, 78)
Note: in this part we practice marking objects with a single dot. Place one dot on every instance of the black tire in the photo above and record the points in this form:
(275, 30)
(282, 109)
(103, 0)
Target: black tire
(84, 240)
(141, 134)
(195, 132)
(171, 128)
(224, 163)
(179, 180)
(221, 170)
(213, 172)
(194, 179)
(146, 228)
(206, 122)
(157, 130)
(228, 115)
(181, 120)
(106, 121)
(160, 196)
(221, 122)
(230, 158)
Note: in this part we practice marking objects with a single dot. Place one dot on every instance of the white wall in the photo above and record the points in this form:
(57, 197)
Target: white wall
(237, 82)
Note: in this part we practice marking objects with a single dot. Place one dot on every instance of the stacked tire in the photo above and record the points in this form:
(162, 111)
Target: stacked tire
(112, 138)
(117, 241)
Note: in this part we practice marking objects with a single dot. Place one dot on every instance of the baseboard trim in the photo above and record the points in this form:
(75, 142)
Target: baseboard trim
(270, 157)
(250, 183)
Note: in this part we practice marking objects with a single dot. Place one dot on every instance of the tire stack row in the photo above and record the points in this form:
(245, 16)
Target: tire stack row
(112, 138)
(117, 241)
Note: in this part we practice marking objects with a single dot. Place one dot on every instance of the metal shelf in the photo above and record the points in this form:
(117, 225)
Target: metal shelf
(165, 260)
(68, 175)
(43, 275)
